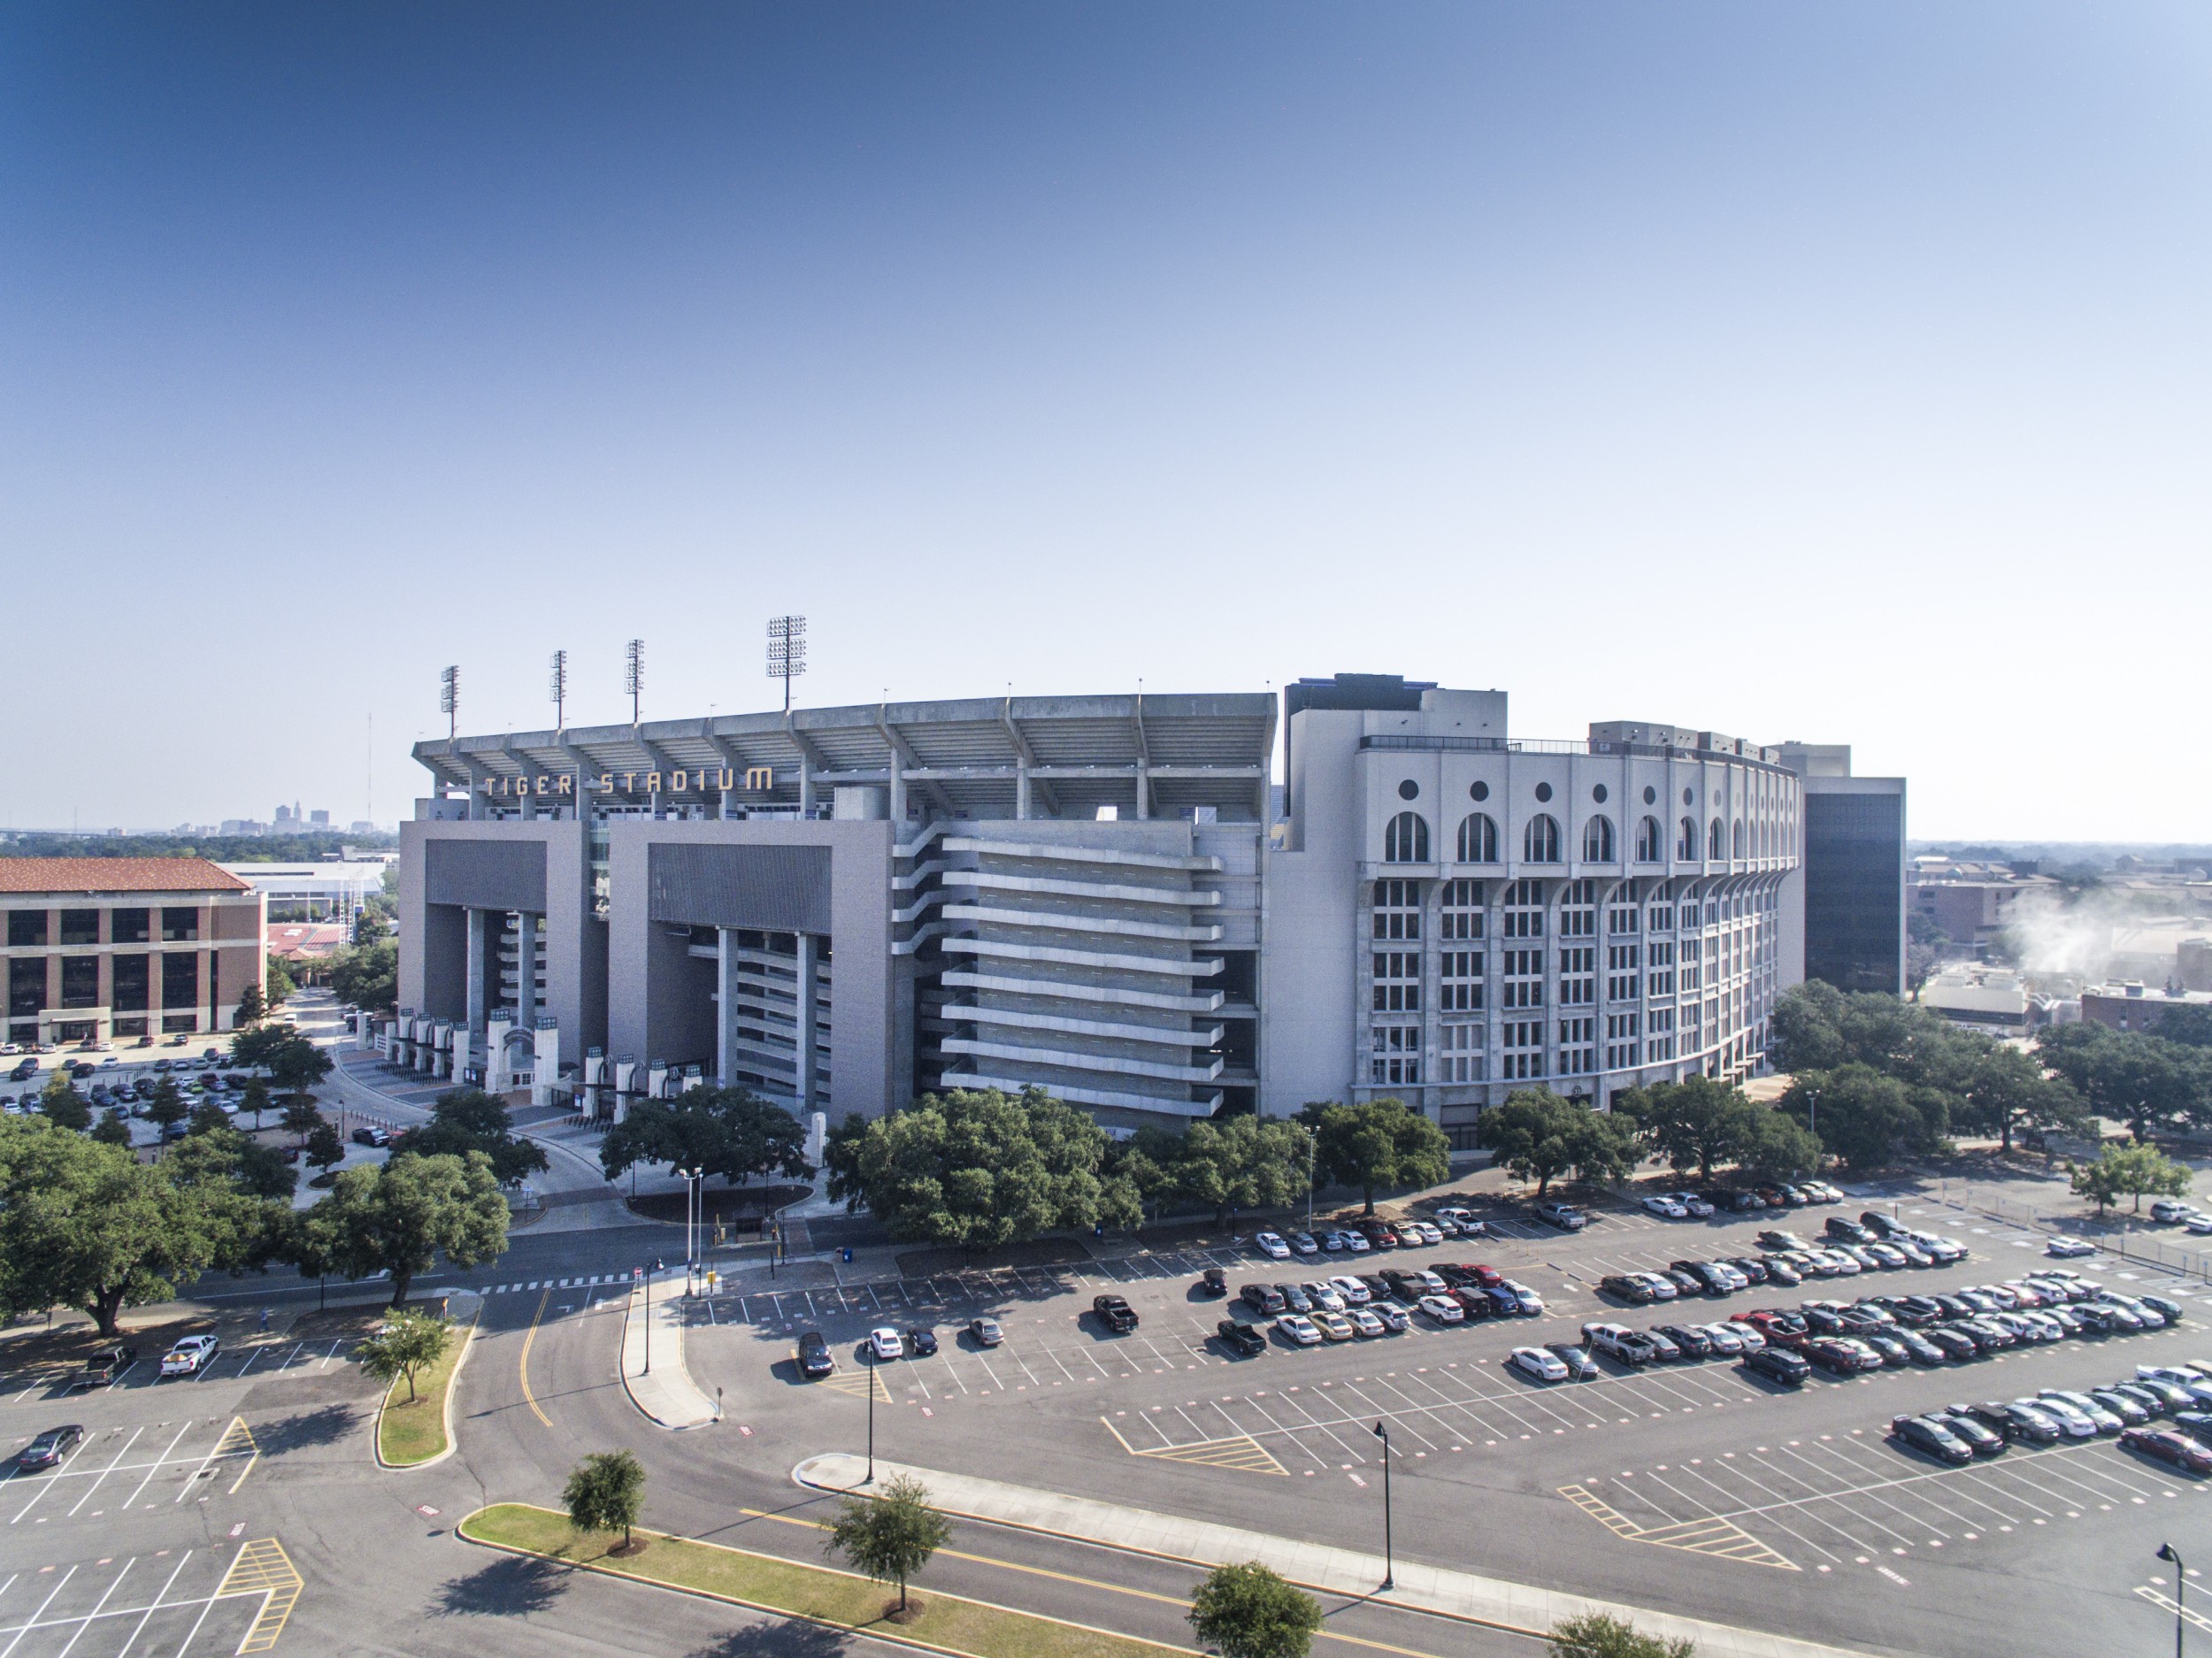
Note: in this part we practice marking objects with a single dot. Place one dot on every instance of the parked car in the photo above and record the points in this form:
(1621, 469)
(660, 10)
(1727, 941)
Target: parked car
(2179, 1449)
(1664, 1206)
(1116, 1313)
(189, 1355)
(1779, 1364)
(1355, 1293)
(1580, 1366)
(1264, 1299)
(885, 1343)
(103, 1367)
(1243, 1340)
(49, 1447)
(985, 1332)
(814, 1354)
(1333, 1326)
(1933, 1439)
(1443, 1308)
(2067, 1249)
(1271, 1245)
(921, 1341)
(1213, 1281)
(1539, 1363)
(1630, 1347)
(369, 1134)
(1304, 1243)
(1563, 1215)
(1297, 1328)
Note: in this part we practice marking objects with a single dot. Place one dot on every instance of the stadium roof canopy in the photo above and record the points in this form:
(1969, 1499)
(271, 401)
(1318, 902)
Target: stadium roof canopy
(959, 758)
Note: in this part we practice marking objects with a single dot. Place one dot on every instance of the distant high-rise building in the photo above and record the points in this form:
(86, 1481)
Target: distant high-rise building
(320, 820)
(1846, 912)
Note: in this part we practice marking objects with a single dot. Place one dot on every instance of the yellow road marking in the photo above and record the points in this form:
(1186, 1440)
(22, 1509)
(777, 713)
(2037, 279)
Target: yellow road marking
(1240, 1451)
(523, 1368)
(263, 1567)
(856, 1387)
(1087, 1583)
(1723, 1539)
(235, 1438)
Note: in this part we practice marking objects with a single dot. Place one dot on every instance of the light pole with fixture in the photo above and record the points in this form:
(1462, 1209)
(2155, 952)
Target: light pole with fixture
(2168, 1553)
(1390, 1564)
(1312, 1140)
(872, 1411)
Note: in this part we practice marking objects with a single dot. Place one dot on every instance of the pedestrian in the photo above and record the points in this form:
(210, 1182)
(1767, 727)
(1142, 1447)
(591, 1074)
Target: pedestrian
(265, 1320)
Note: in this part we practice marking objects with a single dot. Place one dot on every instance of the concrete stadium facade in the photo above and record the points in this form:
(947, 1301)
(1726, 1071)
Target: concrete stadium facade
(843, 907)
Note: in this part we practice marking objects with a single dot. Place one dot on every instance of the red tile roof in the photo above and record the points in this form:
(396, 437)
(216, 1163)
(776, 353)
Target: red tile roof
(116, 875)
(300, 939)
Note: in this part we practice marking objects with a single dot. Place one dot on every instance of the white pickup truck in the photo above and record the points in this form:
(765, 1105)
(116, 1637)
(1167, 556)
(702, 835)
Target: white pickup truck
(1619, 1341)
(189, 1355)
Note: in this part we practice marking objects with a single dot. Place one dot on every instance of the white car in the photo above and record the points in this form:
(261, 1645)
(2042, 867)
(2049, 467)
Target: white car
(2066, 1249)
(1727, 1343)
(1658, 1203)
(2201, 1224)
(1443, 1310)
(887, 1343)
(1544, 1367)
(1355, 1293)
(1325, 1296)
(1357, 1242)
(1753, 1338)
(189, 1355)
(1697, 1207)
(1429, 1234)
(1532, 1303)
(1271, 1245)
(2198, 1387)
(1300, 1328)
(2077, 1425)
(1365, 1322)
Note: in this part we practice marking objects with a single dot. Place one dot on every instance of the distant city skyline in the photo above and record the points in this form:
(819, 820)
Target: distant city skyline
(1817, 374)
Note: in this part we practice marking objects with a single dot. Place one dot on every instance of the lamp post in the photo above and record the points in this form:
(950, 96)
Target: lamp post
(871, 1413)
(1390, 1563)
(693, 1181)
(649, 1321)
(2168, 1553)
(1311, 1140)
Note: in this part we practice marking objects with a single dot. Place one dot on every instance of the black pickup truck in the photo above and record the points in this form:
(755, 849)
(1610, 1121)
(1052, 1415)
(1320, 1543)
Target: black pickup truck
(101, 1369)
(1115, 1313)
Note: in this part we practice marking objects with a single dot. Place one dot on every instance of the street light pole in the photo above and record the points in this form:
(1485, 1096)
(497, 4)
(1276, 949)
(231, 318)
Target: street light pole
(2167, 1552)
(1310, 1139)
(1390, 1562)
(871, 1413)
(649, 1321)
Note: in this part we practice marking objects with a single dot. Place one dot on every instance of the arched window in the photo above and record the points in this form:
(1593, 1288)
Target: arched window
(1597, 840)
(1649, 847)
(1539, 841)
(1477, 839)
(1739, 837)
(1686, 848)
(1406, 838)
(1716, 841)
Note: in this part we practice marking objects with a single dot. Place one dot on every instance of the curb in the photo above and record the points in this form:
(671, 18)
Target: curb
(865, 1631)
(622, 1368)
(452, 1386)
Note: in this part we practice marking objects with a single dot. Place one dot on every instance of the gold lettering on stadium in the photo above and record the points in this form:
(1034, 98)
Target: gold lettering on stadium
(758, 779)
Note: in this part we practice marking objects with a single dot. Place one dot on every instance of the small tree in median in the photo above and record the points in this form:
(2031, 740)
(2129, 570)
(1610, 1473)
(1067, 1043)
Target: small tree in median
(890, 1536)
(1601, 1635)
(410, 1344)
(300, 1115)
(604, 1491)
(325, 1150)
(167, 1106)
(1248, 1611)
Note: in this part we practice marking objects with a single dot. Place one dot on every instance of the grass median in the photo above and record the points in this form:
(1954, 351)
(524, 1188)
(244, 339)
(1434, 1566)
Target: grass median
(838, 1599)
(412, 1431)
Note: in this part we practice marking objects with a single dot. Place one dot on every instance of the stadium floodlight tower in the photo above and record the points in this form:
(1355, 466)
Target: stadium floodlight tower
(787, 652)
(449, 698)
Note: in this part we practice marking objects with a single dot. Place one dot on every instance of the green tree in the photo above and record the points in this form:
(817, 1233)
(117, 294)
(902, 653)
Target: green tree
(605, 1490)
(1219, 1163)
(1778, 1148)
(2188, 1025)
(255, 1099)
(1533, 1134)
(2132, 1077)
(218, 1153)
(2130, 1170)
(1693, 1124)
(369, 926)
(253, 1006)
(396, 1217)
(1865, 1117)
(367, 976)
(890, 1536)
(761, 1138)
(280, 987)
(1248, 1611)
(979, 1167)
(167, 1106)
(410, 1343)
(300, 1115)
(85, 1224)
(1376, 1143)
(1601, 1635)
(1607, 1149)
(208, 1117)
(324, 1150)
(63, 1105)
(2008, 1092)
(111, 1131)
(299, 1065)
(730, 1131)
(464, 1120)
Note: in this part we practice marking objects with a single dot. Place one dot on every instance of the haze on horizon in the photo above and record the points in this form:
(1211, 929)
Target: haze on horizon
(1832, 373)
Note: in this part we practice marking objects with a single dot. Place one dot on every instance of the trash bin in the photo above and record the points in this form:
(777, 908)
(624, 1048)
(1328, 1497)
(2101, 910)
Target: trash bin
(848, 1253)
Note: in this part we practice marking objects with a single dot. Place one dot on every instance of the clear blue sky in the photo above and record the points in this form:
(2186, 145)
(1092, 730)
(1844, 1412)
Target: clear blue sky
(1827, 372)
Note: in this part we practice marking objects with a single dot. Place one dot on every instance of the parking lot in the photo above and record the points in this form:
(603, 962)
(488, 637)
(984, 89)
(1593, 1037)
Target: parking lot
(179, 1602)
(1695, 1487)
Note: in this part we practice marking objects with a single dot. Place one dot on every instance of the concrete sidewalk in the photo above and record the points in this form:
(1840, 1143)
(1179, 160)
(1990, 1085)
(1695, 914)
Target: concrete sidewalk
(665, 1393)
(1521, 1608)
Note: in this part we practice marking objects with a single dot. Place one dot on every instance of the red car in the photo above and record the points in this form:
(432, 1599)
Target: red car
(2169, 1446)
(1473, 1272)
(1780, 1328)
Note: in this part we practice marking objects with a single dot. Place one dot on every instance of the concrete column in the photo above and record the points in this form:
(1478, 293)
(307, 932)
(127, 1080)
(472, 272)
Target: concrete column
(803, 1078)
(725, 1007)
(1021, 788)
(526, 978)
(496, 1080)
(806, 788)
(1144, 791)
(729, 804)
(477, 969)
(545, 1065)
